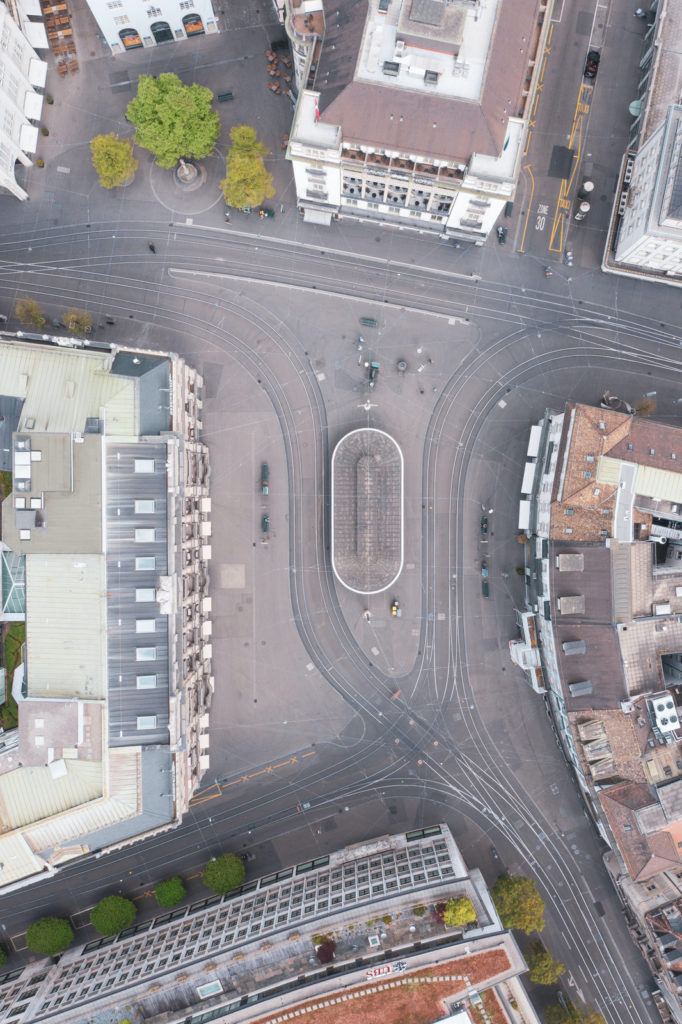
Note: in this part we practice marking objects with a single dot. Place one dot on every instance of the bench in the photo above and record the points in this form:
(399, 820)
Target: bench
(223, 96)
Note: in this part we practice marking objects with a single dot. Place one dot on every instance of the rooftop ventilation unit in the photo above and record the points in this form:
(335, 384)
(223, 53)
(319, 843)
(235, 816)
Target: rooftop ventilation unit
(391, 67)
(663, 713)
(399, 47)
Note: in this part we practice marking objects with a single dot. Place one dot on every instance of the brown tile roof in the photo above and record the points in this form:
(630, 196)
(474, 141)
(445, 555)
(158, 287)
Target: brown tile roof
(621, 736)
(575, 505)
(584, 437)
(364, 109)
(601, 663)
(645, 435)
(644, 855)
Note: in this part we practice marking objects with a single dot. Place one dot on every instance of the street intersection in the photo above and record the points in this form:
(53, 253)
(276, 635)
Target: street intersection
(328, 728)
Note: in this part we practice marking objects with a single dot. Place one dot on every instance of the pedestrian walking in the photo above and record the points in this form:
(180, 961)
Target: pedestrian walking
(152, 248)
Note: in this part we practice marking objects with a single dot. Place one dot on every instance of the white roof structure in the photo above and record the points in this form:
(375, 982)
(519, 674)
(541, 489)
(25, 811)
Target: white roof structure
(62, 388)
(66, 626)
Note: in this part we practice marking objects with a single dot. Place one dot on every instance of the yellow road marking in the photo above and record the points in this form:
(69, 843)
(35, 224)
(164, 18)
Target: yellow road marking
(530, 203)
(216, 789)
(575, 142)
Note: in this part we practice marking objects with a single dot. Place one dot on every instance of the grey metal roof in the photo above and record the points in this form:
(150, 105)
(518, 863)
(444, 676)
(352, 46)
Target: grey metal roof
(154, 373)
(10, 411)
(126, 701)
(574, 647)
(157, 802)
(581, 689)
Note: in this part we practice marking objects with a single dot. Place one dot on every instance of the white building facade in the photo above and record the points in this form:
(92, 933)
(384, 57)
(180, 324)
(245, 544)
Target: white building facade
(22, 73)
(650, 234)
(646, 234)
(399, 116)
(126, 25)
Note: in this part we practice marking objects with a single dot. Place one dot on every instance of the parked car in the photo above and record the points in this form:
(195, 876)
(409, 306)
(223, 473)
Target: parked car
(265, 524)
(592, 64)
(485, 589)
(484, 525)
(373, 374)
(266, 212)
(264, 474)
(396, 610)
(501, 235)
(484, 570)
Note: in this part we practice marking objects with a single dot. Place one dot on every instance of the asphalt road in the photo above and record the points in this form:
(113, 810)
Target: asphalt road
(270, 313)
(466, 740)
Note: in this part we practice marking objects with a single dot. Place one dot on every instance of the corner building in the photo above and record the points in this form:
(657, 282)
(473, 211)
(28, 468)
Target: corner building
(105, 553)
(412, 112)
(251, 955)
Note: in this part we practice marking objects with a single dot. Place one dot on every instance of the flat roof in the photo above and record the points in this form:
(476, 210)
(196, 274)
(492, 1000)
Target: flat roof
(66, 626)
(61, 388)
(367, 511)
(470, 108)
(67, 481)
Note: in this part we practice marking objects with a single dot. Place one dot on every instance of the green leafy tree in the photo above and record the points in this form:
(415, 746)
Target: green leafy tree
(518, 903)
(170, 892)
(543, 969)
(28, 311)
(173, 120)
(77, 321)
(113, 159)
(112, 914)
(49, 935)
(3, 956)
(224, 873)
(459, 912)
(247, 181)
(572, 1014)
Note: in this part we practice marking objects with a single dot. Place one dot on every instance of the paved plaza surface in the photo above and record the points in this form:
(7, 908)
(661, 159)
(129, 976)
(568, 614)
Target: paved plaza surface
(328, 728)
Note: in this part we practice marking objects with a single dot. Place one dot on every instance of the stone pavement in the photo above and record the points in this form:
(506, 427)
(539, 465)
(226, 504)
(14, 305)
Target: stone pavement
(94, 100)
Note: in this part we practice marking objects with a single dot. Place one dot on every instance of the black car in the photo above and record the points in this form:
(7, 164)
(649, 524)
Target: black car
(484, 525)
(592, 64)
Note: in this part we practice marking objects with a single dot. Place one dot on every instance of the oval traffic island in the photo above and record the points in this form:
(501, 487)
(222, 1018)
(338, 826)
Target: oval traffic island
(367, 511)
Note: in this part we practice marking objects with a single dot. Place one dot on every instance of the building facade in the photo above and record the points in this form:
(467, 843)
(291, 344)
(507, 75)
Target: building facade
(22, 74)
(412, 114)
(646, 234)
(129, 26)
(106, 546)
(252, 954)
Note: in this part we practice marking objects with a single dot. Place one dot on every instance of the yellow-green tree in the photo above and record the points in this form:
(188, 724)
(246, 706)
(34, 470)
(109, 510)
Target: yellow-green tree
(247, 181)
(459, 912)
(518, 903)
(572, 1014)
(28, 311)
(543, 969)
(78, 321)
(113, 159)
(173, 120)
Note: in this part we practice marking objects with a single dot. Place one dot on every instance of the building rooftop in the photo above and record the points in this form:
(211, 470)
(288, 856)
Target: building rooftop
(250, 954)
(666, 87)
(56, 505)
(453, 85)
(62, 388)
(66, 626)
(102, 752)
(644, 855)
(367, 511)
